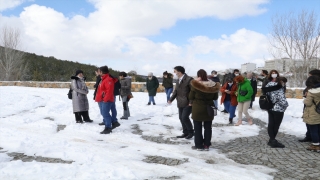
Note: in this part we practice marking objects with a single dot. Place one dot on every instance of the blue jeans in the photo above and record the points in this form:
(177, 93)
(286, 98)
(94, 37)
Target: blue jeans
(114, 111)
(230, 109)
(215, 103)
(168, 92)
(314, 130)
(151, 99)
(105, 108)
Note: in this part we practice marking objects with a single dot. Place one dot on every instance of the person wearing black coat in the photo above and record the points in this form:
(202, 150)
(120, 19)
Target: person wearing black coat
(117, 87)
(214, 77)
(253, 82)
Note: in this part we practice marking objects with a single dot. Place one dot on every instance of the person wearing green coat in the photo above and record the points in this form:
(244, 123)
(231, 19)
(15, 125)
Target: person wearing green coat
(203, 92)
(152, 86)
(244, 95)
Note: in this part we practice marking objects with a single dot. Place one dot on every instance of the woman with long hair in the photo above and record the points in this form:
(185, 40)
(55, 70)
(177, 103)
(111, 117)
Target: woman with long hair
(202, 94)
(274, 89)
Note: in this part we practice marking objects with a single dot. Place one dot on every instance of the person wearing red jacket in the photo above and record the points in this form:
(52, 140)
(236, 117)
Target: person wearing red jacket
(105, 98)
(229, 98)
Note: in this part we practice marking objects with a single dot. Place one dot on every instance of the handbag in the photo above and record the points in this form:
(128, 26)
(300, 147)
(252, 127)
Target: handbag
(265, 102)
(317, 106)
(241, 92)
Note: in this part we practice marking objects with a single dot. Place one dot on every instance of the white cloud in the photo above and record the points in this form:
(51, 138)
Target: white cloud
(9, 4)
(116, 34)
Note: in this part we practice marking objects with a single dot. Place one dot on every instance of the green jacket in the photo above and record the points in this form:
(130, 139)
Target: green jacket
(310, 116)
(244, 86)
(152, 86)
(202, 94)
(167, 82)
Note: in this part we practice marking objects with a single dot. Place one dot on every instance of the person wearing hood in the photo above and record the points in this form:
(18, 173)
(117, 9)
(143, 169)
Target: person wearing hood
(253, 82)
(310, 115)
(125, 93)
(214, 77)
(167, 83)
(229, 98)
(274, 89)
(152, 87)
(105, 98)
(79, 98)
(307, 138)
(203, 92)
(244, 95)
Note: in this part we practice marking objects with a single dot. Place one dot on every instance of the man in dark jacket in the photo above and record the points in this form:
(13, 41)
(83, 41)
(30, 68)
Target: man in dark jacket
(152, 87)
(253, 82)
(214, 77)
(181, 93)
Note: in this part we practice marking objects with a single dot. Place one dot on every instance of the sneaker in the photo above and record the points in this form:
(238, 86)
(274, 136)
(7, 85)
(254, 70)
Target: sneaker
(106, 131)
(206, 148)
(101, 124)
(305, 140)
(198, 149)
(189, 136)
(115, 124)
(149, 104)
(314, 148)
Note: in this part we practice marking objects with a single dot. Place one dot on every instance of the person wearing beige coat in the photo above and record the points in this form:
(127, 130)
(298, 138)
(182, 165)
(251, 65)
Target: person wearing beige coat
(310, 116)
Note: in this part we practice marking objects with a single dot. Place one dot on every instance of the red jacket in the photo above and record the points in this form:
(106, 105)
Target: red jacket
(105, 89)
(234, 89)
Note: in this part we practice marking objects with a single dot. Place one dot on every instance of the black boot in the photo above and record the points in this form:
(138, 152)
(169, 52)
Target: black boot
(182, 136)
(230, 120)
(149, 103)
(79, 121)
(115, 125)
(154, 103)
(275, 144)
(190, 135)
(88, 121)
(106, 131)
(101, 124)
(305, 140)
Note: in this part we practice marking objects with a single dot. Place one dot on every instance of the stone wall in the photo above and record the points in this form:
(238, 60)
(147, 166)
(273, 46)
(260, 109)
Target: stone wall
(136, 87)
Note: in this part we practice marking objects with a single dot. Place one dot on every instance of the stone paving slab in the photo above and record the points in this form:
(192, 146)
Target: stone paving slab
(292, 162)
(165, 160)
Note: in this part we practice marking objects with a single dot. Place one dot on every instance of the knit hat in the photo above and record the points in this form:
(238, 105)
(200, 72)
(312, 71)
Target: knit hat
(78, 72)
(150, 74)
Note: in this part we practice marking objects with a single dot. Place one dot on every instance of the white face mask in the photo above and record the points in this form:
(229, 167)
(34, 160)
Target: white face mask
(236, 74)
(215, 75)
(274, 75)
(150, 78)
(230, 84)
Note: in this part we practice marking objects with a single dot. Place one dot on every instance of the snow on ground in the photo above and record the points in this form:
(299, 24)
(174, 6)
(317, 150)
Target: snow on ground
(25, 127)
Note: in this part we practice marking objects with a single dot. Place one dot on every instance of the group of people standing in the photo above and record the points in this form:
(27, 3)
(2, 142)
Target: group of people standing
(196, 96)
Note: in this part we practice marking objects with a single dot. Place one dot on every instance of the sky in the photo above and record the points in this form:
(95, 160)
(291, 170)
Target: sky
(150, 35)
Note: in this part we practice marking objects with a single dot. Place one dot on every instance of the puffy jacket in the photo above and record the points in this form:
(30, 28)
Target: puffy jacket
(233, 91)
(125, 86)
(202, 94)
(105, 90)
(310, 116)
(152, 86)
(245, 86)
(167, 82)
(116, 91)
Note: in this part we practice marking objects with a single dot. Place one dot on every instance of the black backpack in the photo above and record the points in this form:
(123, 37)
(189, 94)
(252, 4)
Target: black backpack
(265, 102)
(317, 107)
(70, 94)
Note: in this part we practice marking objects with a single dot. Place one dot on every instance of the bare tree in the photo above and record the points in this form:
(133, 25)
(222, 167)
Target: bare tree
(297, 37)
(11, 58)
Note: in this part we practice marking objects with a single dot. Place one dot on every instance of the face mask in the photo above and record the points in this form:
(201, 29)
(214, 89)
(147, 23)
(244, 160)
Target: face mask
(150, 78)
(230, 84)
(214, 75)
(236, 74)
(274, 75)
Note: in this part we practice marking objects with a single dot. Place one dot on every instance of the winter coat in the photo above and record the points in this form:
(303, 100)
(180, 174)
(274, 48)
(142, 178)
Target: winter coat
(181, 92)
(203, 93)
(310, 116)
(116, 91)
(215, 79)
(244, 86)
(233, 91)
(276, 93)
(152, 86)
(125, 86)
(79, 94)
(105, 92)
(253, 82)
(167, 82)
